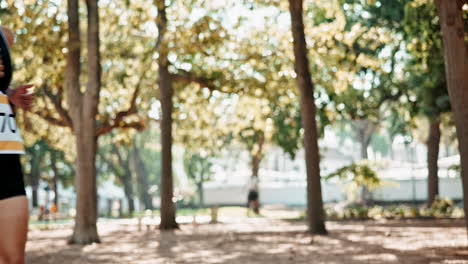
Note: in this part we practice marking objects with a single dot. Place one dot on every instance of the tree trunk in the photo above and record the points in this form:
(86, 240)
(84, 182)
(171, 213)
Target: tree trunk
(392, 153)
(126, 176)
(85, 231)
(364, 129)
(315, 212)
(456, 70)
(128, 190)
(35, 200)
(143, 182)
(201, 196)
(128, 183)
(120, 203)
(72, 71)
(84, 110)
(257, 156)
(433, 142)
(364, 152)
(168, 212)
(257, 159)
(167, 204)
(277, 162)
(129, 194)
(53, 165)
(109, 207)
(35, 178)
(255, 166)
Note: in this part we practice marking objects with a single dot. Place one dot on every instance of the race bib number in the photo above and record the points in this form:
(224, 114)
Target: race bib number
(10, 138)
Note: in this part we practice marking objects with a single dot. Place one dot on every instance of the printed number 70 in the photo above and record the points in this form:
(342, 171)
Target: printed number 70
(7, 122)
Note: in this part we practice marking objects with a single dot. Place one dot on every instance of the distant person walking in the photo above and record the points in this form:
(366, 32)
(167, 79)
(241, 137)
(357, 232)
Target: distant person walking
(13, 201)
(253, 203)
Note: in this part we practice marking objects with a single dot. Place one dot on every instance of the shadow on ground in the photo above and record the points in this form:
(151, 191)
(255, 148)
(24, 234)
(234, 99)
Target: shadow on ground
(261, 241)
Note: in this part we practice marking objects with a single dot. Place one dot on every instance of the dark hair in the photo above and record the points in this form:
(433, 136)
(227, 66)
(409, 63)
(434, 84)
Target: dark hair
(6, 59)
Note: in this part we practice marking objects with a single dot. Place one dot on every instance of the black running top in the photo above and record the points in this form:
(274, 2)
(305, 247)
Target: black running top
(6, 59)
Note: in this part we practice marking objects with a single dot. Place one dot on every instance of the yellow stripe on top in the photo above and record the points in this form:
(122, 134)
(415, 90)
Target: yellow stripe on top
(11, 145)
(3, 99)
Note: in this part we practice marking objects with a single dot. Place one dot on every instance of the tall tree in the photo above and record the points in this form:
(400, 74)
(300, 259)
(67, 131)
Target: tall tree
(456, 70)
(83, 108)
(427, 75)
(315, 212)
(191, 67)
(65, 104)
(168, 213)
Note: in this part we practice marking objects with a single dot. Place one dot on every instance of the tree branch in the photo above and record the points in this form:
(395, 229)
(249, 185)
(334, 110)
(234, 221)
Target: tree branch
(189, 77)
(117, 153)
(56, 100)
(111, 165)
(119, 117)
(138, 125)
(51, 119)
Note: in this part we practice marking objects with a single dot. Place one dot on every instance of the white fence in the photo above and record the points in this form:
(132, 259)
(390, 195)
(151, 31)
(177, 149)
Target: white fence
(294, 193)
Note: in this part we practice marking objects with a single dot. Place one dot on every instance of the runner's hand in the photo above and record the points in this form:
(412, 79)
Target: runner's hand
(21, 97)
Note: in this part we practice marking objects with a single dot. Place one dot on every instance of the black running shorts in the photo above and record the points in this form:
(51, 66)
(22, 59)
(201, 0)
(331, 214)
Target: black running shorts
(11, 176)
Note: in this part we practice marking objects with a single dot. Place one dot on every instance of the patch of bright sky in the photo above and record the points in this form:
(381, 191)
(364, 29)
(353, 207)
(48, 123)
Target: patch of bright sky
(154, 112)
(233, 11)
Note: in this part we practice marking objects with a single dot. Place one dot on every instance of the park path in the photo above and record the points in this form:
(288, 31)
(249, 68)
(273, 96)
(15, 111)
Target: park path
(258, 240)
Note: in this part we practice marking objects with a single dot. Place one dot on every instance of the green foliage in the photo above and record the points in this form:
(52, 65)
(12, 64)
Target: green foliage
(319, 13)
(113, 160)
(3, 10)
(287, 128)
(250, 137)
(38, 162)
(442, 208)
(425, 69)
(197, 167)
(358, 173)
(379, 61)
(355, 176)
(383, 13)
(117, 161)
(40, 57)
(356, 212)
(368, 48)
(399, 122)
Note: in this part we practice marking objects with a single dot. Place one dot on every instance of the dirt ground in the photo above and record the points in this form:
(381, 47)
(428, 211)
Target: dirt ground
(259, 240)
